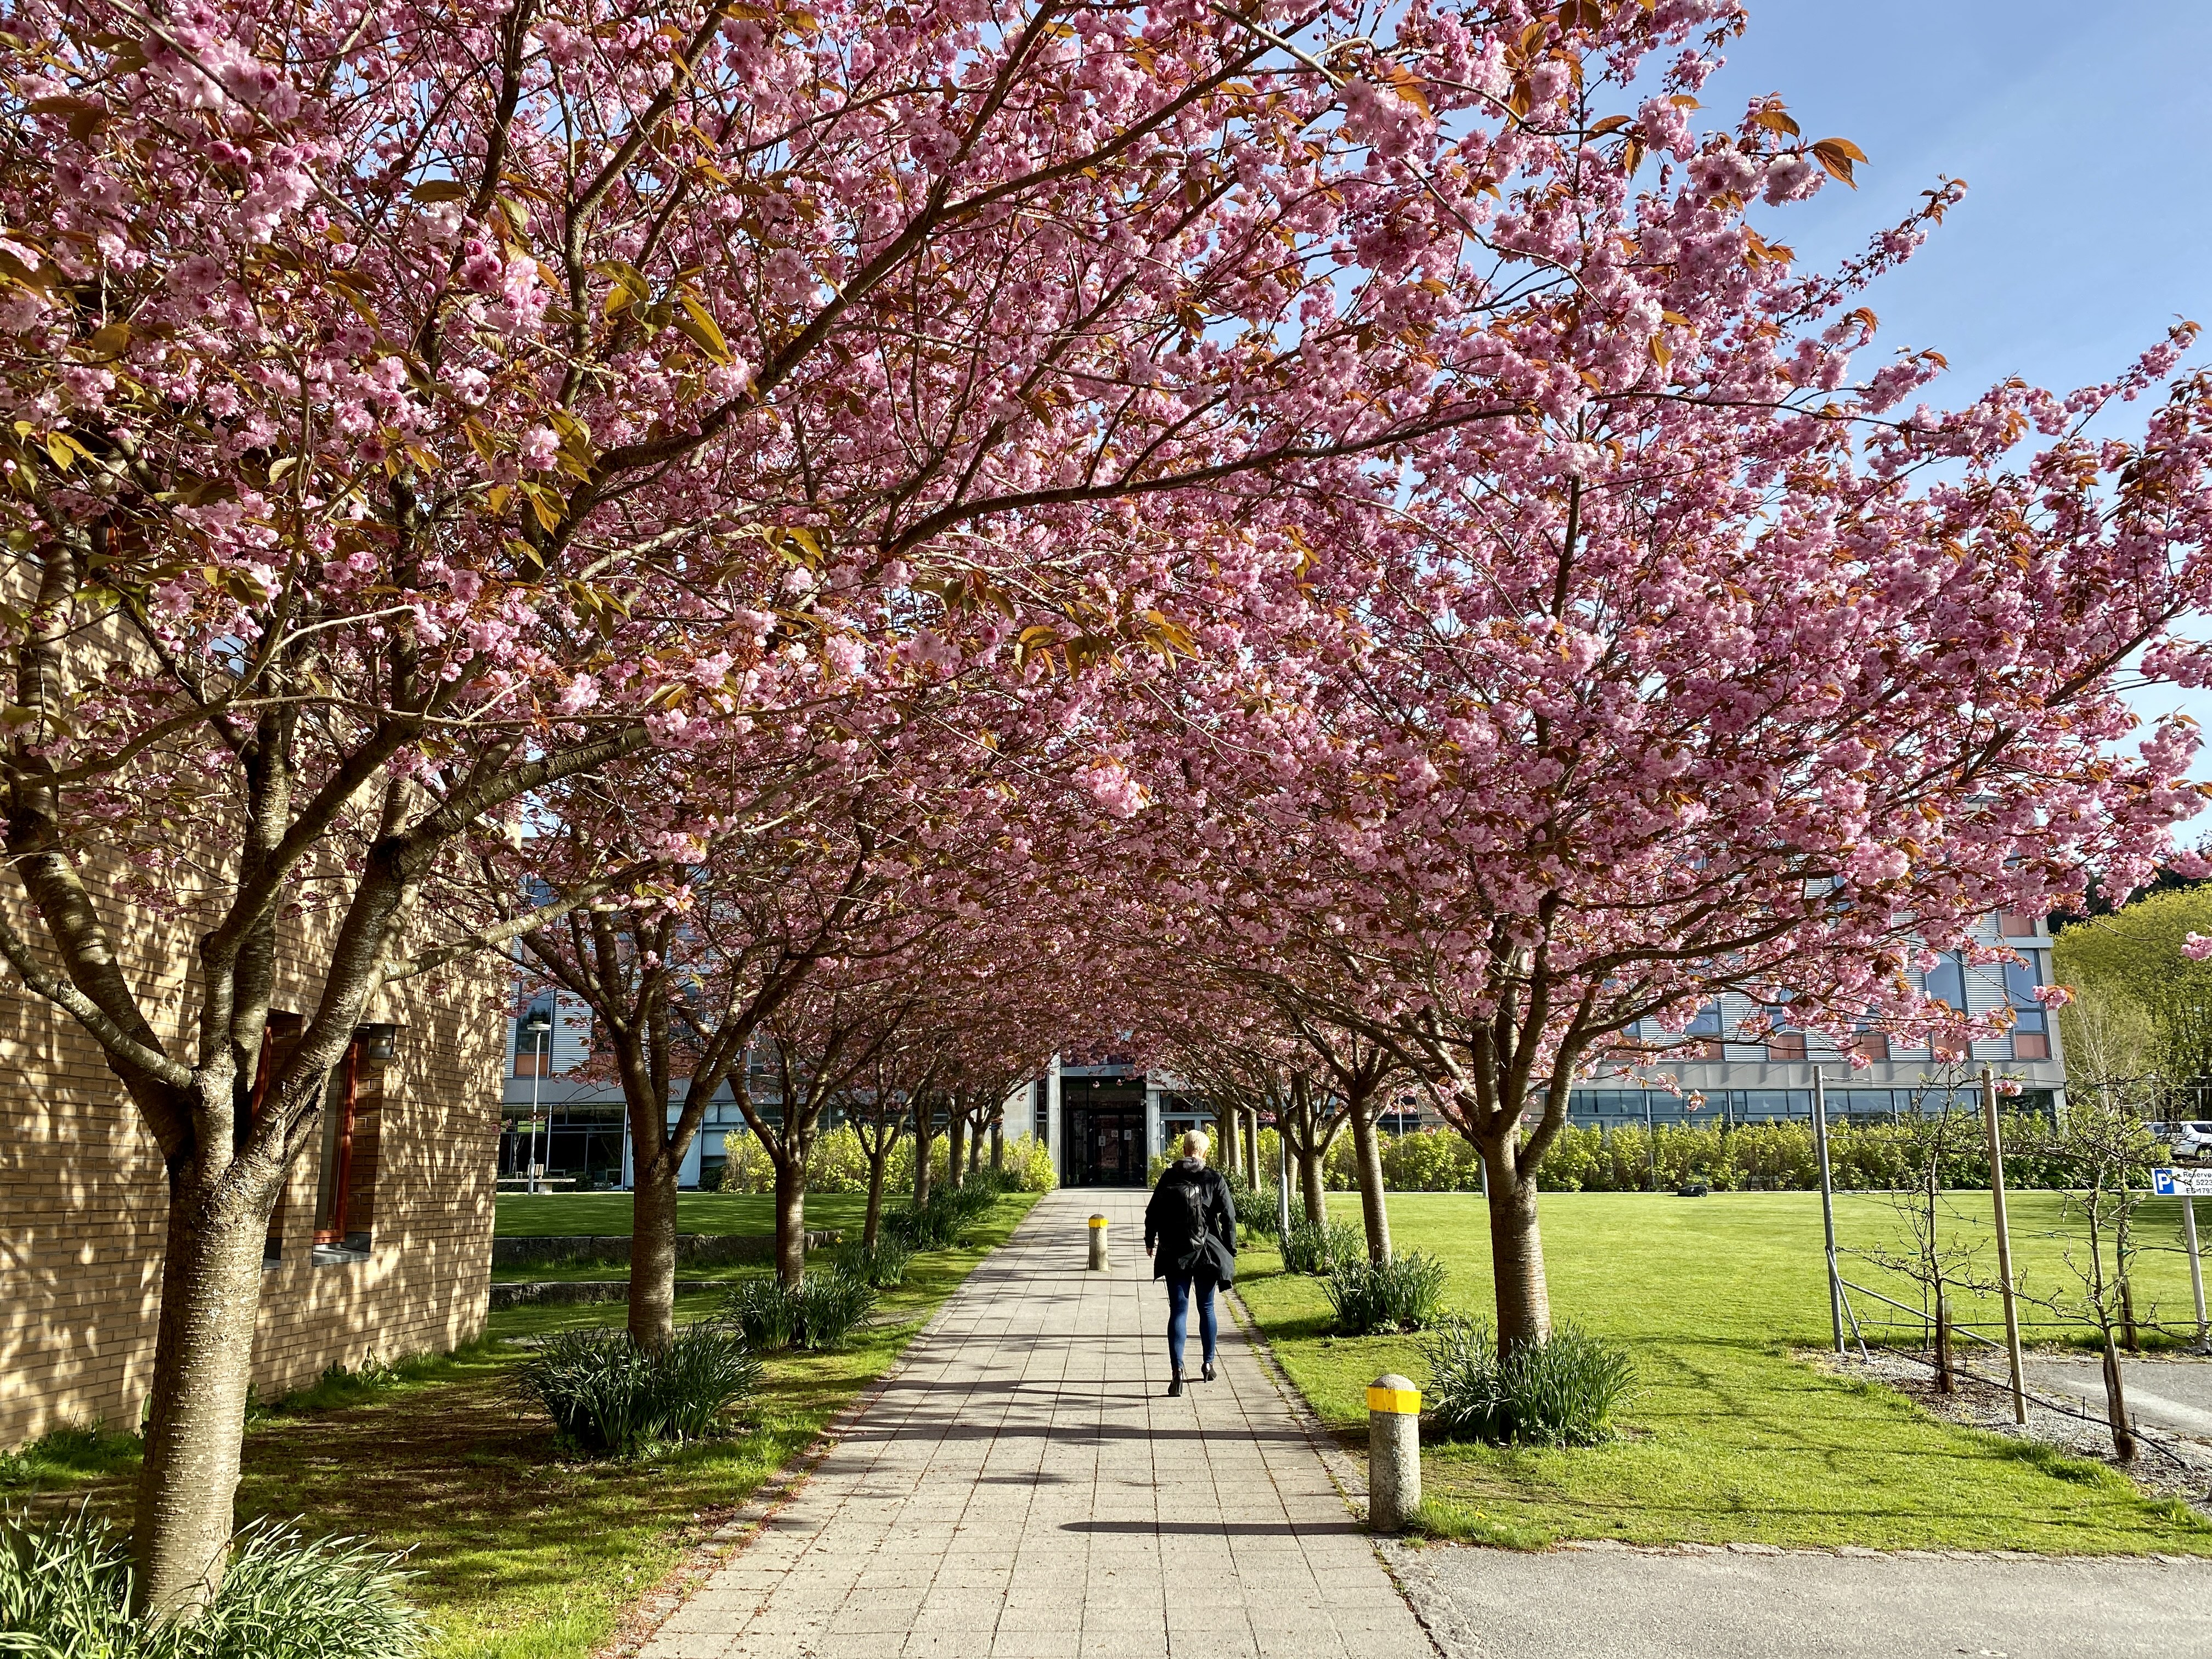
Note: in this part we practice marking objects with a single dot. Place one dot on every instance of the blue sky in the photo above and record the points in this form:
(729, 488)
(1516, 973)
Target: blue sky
(2081, 132)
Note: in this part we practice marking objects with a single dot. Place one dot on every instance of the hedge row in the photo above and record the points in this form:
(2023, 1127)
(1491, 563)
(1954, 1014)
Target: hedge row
(1751, 1157)
(839, 1165)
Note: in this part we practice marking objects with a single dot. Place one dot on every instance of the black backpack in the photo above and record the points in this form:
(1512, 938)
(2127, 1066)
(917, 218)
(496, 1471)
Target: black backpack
(1192, 1187)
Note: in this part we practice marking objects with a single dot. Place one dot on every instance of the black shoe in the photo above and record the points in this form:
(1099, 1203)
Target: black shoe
(1207, 1372)
(1175, 1385)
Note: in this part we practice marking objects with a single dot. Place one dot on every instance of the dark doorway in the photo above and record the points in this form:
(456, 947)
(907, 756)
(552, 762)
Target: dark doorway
(1109, 1146)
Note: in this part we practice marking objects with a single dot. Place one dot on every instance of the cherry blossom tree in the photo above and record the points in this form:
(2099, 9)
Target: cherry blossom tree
(414, 407)
(1724, 669)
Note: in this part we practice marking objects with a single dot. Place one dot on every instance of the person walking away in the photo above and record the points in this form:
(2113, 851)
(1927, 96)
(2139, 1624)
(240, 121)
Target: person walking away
(1190, 1230)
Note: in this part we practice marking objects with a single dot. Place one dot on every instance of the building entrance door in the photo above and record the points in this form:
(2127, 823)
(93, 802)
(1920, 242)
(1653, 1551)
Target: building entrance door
(1109, 1148)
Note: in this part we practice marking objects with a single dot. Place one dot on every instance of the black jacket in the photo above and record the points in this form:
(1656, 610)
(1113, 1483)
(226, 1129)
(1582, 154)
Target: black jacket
(1176, 1245)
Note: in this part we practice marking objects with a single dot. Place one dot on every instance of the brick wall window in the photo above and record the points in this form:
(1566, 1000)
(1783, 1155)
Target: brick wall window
(1874, 1045)
(2013, 925)
(345, 1197)
(278, 1038)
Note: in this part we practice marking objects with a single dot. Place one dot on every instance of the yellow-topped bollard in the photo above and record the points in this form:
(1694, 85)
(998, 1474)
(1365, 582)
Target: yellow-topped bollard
(1394, 1452)
(1098, 1225)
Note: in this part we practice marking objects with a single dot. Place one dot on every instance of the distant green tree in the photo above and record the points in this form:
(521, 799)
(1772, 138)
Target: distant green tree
(2145, 1008)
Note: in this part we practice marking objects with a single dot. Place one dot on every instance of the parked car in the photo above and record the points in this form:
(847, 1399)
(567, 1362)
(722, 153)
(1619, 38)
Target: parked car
(2187, 1140)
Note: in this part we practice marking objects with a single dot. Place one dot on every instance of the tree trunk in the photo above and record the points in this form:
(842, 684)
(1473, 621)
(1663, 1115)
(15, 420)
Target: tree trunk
(1945, 1381)
(2116, 1404)
(1373, 1204)
(1251, 1125)
(921, 1139)
(1517, 1250)
(956, 1147)
(203, 1377)
(652, 1246)
(873, 1226)
(998, 1144)
(1316, 1199)
(1232, 1145)
(790, 1221)
(975, 1151)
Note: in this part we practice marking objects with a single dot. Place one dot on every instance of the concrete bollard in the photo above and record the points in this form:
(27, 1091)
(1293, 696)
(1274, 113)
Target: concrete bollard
(1394, 1452)
(1099, 1224)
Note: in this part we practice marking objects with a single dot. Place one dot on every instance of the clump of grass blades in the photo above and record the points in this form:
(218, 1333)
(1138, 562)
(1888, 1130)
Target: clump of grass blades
(65, 1593)
(1316, 1247)
(1402, 1294)
(943, 1220)
(1257, 1212)
(820, 1313)
(1557, 1393)
(608, 1395)
(67, 1454)
(883, 1265)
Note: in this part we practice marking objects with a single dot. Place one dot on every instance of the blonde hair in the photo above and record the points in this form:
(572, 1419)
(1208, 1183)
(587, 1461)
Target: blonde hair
(1194, 1142)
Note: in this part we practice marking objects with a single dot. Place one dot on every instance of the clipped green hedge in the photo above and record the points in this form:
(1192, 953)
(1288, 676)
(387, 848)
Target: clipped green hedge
(1750, 1156)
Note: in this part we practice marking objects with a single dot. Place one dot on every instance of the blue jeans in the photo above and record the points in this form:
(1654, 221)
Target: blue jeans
(1179, 1318)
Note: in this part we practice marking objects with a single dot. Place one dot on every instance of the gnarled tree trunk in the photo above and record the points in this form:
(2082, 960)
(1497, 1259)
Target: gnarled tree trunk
(924, 1132)
(1309, 1184)
(202, 1377)
(791, 1219)
(655, 1168)
(956, 1137)
(871, 1228)
(1517, 1246)
(1374, 1203)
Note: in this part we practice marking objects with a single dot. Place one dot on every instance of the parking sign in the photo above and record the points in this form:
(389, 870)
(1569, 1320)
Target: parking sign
(2181, 1183)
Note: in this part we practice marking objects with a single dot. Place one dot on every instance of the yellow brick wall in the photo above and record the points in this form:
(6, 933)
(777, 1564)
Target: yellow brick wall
(81, 1204)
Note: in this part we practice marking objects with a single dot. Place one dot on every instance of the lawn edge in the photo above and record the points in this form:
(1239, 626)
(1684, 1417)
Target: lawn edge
(642, 1620)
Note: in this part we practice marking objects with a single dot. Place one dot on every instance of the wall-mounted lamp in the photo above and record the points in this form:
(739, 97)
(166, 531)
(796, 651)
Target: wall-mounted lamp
(378, 1043)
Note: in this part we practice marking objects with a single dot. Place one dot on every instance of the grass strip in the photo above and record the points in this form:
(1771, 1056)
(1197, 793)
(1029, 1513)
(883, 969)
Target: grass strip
(1729, 1439)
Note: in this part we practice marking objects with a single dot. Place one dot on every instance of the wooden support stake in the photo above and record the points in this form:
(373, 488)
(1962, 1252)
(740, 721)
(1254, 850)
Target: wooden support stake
(2004, 1243)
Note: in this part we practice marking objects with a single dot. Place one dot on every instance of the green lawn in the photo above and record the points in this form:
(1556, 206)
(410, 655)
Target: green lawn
(520, 1554)
(1729, 1439)
(602, 1214)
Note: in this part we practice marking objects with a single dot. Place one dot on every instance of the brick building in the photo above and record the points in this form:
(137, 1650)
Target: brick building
(380, 1248)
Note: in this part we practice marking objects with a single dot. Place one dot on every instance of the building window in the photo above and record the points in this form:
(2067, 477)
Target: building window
(1707, 1026)
(278, 1038)
(1783, 1044)
(1874, 1045)
(2013, 925)
(2031, 1021)
(353, 1113)
(533, 1044)
(1946, 981)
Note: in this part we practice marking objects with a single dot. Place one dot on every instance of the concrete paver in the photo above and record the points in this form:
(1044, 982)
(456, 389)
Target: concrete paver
(1024, 1488)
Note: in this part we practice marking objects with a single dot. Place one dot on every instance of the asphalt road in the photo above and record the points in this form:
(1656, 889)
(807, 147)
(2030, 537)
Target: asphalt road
(2166, 1394)
(1622, 1604)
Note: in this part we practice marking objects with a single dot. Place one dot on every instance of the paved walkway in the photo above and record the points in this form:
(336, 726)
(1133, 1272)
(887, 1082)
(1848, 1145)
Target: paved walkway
(1023, 1487)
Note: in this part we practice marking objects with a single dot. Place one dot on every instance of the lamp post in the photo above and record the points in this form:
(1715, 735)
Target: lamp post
(539, 1024)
